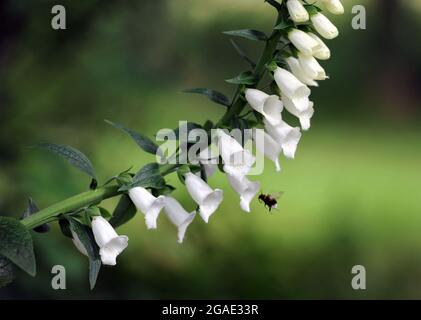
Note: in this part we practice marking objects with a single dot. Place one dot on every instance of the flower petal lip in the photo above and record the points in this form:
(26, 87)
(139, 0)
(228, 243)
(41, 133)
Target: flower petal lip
(112, 249)
(303, 115)
(285, 135)
(146, 203)
(311, 67)
(297, 11)
(302, 41)
(323, 26)
(178, 216)
(246, 188)
(269, 106)
(323, 51)
(207, 199)
(297, 71)
(109, 242)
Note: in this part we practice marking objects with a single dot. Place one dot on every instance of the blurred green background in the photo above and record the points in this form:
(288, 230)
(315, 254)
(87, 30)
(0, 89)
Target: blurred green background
(352, 195)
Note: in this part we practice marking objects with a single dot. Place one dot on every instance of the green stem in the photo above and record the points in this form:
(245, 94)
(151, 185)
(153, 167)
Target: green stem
(51, 213)
(267, 55)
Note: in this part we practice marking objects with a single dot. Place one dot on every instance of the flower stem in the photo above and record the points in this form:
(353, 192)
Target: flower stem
(51, 213)
(81, 200)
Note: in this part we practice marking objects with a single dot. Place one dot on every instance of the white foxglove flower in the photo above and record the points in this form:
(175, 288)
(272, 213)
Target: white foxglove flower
(323, 26)
(322, 52)
(78, 244)
(269, 106)
(297, 11)
(178, 216)
(146, 203)
(304, 116)
(297, 71)
(245, 188)
(292, 88)
(267, 146)
(109, 242)
(334, 6)
(302, 41)
(311, 67)
(287, 136)
(207, 199)
(237, 160)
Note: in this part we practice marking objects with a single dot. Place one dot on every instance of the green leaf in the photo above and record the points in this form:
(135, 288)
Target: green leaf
(7, 272)
(65, 228)
(243, 54)
(213, 95)
(30, 210)
(86, 237)
(312, 9)
(165, 191)
(248, 34)
(72, 155)
(147, 177)
(124, 211)
(16, 244)
(105, 213)
(142, 141)
(284, 25)
(246, 78)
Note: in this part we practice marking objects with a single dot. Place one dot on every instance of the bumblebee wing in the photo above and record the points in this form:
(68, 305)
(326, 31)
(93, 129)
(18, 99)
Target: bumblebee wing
(277, 195)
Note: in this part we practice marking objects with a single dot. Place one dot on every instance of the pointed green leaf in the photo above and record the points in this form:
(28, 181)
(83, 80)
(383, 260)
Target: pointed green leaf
(16, 244)
(148, 176)
(213, 95)
(246, 78)
(142, 141)
(124, 211)
(7, 272)
(243, 54)
(72, 155)
(30, 210)
(86, 236)
(248, 34)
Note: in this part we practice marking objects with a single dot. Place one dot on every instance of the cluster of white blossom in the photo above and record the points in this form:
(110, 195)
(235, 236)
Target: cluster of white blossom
(278, 137)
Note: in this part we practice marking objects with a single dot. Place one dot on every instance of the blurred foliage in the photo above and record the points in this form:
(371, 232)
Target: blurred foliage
(351, 194)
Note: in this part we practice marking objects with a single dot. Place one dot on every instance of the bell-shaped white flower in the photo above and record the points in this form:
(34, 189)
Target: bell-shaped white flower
(287, 136)
(78, 244)
(297, 71)
(323, 26)
(109, 242)
(311, 67)
(334, 6)
(302, 41)
(323, 51)
(303, 115)
(297, 11)
(245, 188)
(237, 160)
(207, 199)
(178, 216)
(269, 106)
(148, 204)
(292, 87)
(267, 146)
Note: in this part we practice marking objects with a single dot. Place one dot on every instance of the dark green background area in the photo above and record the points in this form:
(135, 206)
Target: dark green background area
(352, 195)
